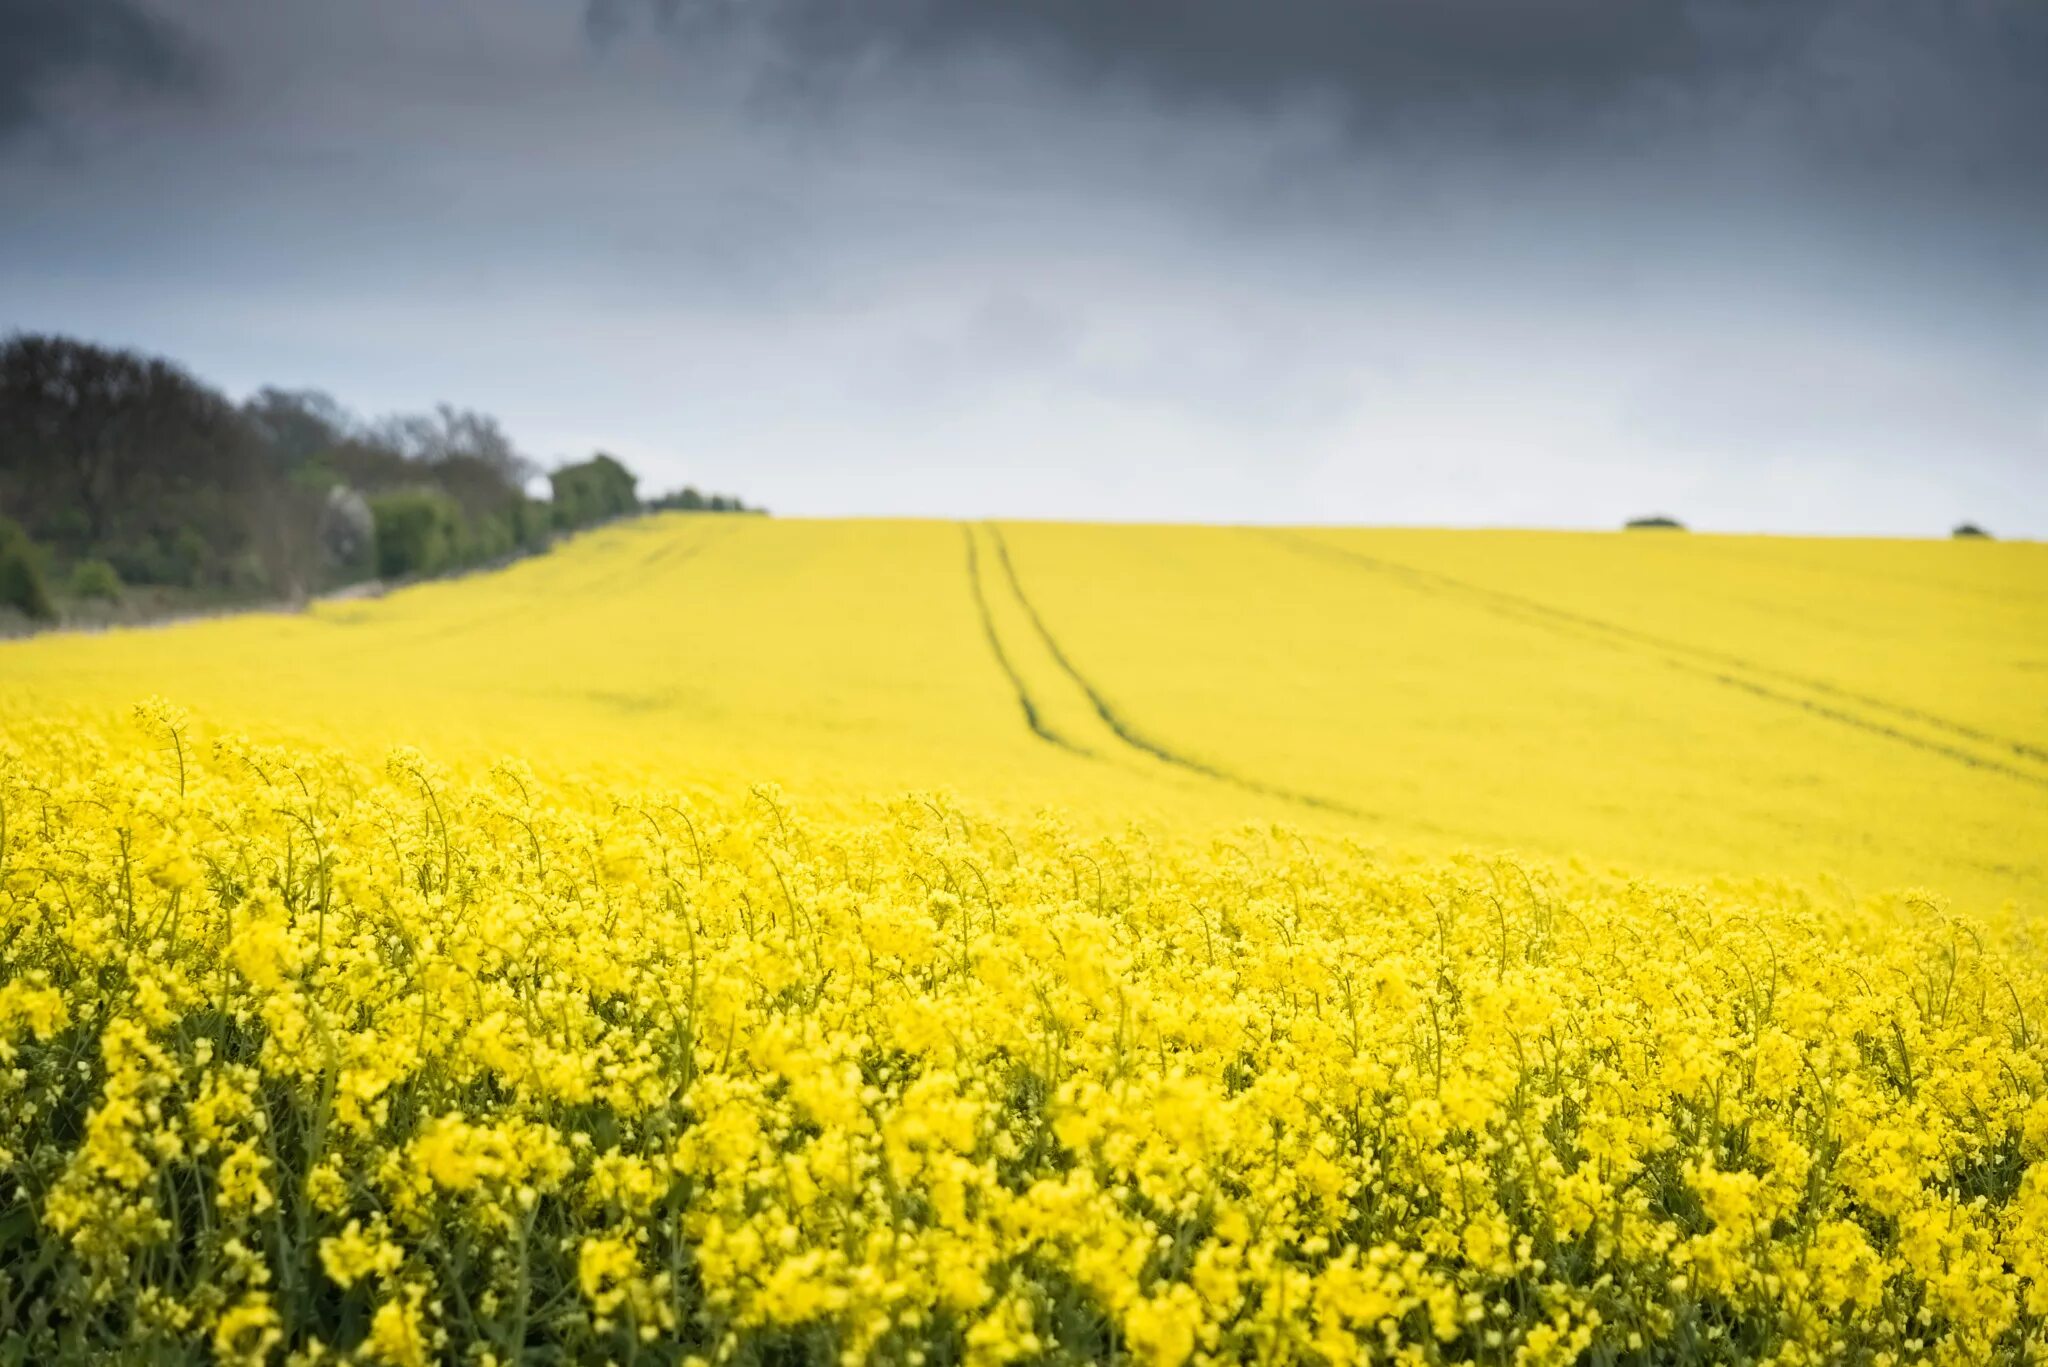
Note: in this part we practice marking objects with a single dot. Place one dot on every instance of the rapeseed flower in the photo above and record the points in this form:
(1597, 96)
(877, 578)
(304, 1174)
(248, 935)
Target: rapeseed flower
(429, 1064)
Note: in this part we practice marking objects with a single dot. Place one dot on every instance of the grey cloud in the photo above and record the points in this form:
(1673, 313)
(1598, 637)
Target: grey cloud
(1375, 51)
(1953, 91)
(1550, 261)
(44, 43)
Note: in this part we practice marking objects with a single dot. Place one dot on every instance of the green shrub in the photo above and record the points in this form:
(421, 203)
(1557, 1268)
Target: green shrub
(191, 557)
(417, 532)
(95, 579)
(531, 523)
(689, 499)
(488, 538)
(592, 491)
(21, 575)
(1970, 531)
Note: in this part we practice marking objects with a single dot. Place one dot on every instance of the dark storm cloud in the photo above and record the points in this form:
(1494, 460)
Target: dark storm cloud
(1953, 88)
(45, 43)
(1367, 53)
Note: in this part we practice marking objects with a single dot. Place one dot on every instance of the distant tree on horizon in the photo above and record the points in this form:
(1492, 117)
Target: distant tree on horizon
(127, 457)
(123, 468)
(592, 491)
(689, 499)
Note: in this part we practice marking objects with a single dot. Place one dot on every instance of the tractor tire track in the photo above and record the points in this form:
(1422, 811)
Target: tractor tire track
(1706, 664)
(668, 551)
(1136, 739)
(672, 554)
(1032, 717)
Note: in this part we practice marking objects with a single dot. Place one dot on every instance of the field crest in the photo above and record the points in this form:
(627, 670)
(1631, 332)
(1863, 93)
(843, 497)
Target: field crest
(1873, 712)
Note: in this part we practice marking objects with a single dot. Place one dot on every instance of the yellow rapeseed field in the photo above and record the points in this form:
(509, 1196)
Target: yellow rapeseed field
(725, 940)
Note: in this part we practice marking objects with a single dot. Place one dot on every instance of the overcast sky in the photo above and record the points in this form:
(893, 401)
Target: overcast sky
(1762, 264)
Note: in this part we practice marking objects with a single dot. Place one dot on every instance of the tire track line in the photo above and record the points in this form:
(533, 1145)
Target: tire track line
(1960, 729)
(385, 633)
(671, 555)
(1136, 739)
(1032, 718)
(1714, 667)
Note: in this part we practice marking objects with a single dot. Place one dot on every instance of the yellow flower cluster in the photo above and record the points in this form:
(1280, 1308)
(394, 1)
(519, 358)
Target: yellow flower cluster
(305, 1061)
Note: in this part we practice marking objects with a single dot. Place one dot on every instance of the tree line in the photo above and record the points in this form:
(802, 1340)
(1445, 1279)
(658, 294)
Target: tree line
(120, 469)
